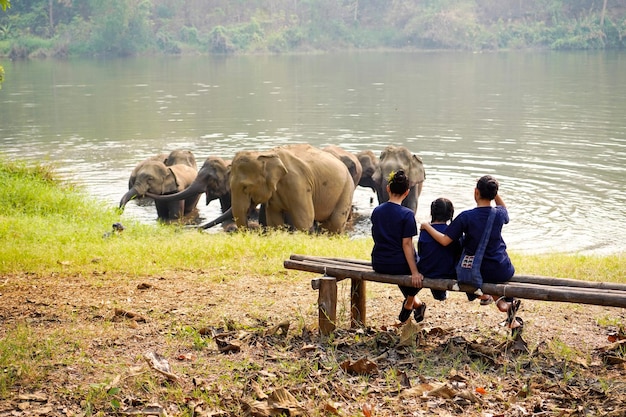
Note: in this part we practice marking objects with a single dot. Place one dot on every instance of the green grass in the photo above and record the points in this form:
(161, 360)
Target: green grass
(50, 226)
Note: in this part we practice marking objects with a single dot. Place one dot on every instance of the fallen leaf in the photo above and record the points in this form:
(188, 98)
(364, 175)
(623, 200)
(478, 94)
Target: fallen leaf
(408, 334)
(282, 327)
(227, 346)
(362, 366)
(161, 365)
(119, 313)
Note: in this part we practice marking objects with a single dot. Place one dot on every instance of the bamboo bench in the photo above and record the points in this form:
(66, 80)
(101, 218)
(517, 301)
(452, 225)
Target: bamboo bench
(520, 286)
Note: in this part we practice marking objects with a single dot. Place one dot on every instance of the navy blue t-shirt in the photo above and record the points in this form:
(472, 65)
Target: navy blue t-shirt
(435, 260)
(470, 224)
(390, 224)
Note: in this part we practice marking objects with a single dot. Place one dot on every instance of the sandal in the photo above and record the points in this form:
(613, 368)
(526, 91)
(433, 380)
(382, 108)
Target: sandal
(486, 301)
(418, 313)
(510, 313)
(517, 331)
(404, 313)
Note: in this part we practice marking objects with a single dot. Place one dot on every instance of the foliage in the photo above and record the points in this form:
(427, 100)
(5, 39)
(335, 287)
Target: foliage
(128, 27)
(120, 27)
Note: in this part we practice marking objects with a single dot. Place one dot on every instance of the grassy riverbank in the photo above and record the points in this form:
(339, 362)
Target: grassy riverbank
(80, 309)
(53, 227)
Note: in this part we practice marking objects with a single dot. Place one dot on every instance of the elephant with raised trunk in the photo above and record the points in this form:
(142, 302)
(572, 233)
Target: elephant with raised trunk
(212, 179)
(297, 184)
(393, 158)
(157, 178)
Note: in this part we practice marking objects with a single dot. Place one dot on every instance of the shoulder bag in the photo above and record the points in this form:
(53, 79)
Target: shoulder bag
(468, 268)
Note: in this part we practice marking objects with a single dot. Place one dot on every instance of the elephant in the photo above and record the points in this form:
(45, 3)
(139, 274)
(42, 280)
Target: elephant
(178, 156)
(181, 156)
(157, 178)
(393, 158)
(297, 185)
(369, 163)
(162, 157)
(349, 159)
(213, 180)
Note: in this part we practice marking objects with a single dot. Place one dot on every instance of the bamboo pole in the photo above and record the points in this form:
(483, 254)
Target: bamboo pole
(528, 279)
(584, 295)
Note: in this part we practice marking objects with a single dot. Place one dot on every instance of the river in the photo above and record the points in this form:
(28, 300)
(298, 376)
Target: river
(551, 126)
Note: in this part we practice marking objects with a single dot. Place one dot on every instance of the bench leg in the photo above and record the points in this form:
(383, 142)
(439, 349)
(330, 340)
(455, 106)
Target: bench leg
(327, 304)
(357, 303)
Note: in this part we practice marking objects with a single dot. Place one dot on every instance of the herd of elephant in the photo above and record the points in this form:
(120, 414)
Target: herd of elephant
(297, 186)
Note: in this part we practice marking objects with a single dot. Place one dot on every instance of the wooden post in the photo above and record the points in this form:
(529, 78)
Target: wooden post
(357, 303)
(326, 303)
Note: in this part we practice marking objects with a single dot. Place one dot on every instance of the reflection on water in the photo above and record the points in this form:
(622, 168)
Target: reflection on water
(549, 126)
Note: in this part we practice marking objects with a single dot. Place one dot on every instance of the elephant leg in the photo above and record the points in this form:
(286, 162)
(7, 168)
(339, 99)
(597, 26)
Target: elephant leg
(411, 199)
(273, 218)
(162, 209)
(336, 222)
(176, 209)
(191, 203)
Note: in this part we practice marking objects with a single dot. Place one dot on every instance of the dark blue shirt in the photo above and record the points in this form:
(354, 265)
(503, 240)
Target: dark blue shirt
(496, 265)
(435, 260)
(390, 224)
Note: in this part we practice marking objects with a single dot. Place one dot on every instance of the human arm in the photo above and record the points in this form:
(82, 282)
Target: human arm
(499, 201)
(409, 254)
(442, 239)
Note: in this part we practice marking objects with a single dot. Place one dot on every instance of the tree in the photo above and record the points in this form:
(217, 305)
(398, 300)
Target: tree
(4, 4)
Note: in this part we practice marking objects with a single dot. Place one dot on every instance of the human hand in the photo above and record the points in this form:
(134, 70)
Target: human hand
(417, 280)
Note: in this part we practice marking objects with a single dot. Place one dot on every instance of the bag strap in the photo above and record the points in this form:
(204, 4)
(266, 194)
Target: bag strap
(482, 246)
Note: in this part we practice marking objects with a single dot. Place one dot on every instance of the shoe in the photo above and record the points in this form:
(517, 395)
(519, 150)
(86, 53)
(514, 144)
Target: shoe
(404, 313)
(486, 301)
(418, 313)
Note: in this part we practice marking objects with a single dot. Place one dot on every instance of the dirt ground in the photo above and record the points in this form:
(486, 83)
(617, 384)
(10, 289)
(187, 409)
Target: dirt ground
(182, 344)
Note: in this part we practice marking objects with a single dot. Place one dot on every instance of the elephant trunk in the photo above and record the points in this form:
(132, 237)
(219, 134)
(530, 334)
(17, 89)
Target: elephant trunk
(227, 215)
(132, 193)
(193, 190)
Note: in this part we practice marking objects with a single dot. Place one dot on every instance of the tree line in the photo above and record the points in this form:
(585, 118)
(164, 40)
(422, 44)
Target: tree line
(130, 27)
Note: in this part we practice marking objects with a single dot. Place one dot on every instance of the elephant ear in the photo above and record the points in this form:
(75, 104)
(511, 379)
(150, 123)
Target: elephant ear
(273, 169)
(416, 170)
(377, 175)
(169, 180)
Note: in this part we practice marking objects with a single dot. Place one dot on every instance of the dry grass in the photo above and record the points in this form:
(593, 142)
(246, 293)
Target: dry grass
(167, 321)
(236, 346)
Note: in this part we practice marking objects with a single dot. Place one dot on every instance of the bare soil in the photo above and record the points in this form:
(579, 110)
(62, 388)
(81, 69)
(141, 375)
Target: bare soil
(182, 344)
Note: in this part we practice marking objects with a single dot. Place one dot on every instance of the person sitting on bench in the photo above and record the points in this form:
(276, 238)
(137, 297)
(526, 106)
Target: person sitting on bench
(496, 266)
(393, 228)
(435, 260)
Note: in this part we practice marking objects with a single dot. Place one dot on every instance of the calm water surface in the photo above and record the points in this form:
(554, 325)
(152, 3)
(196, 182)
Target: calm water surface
(550, 126)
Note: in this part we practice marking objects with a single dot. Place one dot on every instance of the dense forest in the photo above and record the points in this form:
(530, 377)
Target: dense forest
(40, 28)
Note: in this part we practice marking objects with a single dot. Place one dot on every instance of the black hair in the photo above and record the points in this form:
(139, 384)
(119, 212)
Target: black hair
(441, 210)
(487, 187)
(398, 182)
